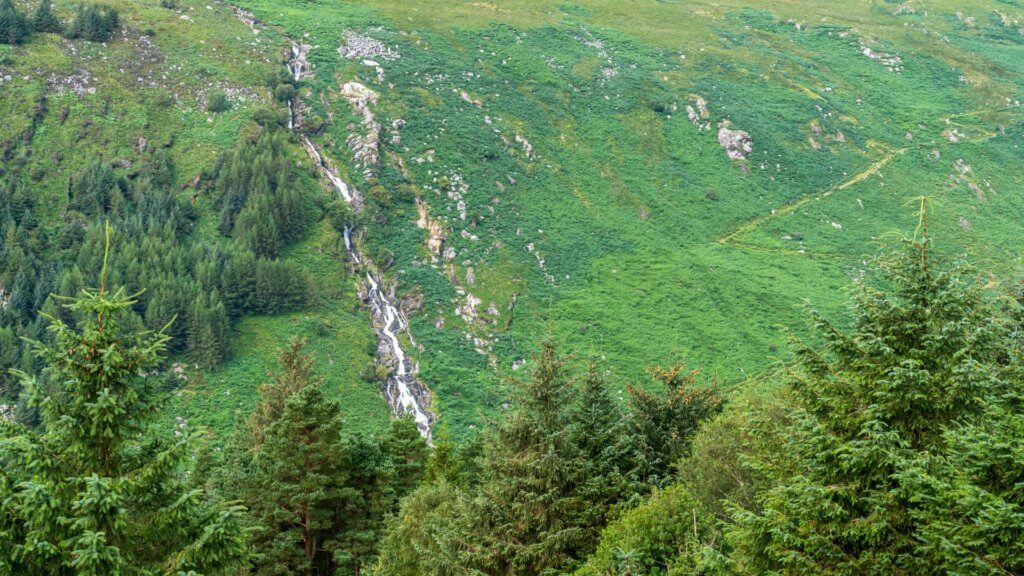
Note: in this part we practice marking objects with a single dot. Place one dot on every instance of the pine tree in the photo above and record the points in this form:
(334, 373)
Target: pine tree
(892, 424)
(94, 492)
(408, 453)
(297, 372)
(664, 424)
(44, 20)
(297, 486)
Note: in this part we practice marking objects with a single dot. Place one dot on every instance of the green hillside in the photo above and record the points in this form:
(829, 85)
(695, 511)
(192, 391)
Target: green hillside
(567, 152)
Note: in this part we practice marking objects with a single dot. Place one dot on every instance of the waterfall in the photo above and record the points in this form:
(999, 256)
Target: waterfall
(404, 392)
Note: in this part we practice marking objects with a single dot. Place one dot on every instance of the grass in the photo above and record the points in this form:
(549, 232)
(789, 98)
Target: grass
(655, 245)
(626, 200)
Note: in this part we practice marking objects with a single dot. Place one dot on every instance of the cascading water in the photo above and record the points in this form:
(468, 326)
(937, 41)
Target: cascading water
(404, 392)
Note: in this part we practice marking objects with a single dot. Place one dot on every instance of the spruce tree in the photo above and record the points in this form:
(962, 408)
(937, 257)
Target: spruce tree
(407, 450)
(664, 423)
(14, 26)
(524, 514)
(892, 429)
(94, 491)
(601, 435)
(44, 20)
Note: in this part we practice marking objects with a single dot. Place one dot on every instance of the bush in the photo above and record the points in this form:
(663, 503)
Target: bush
(284, 93)
(217, 102)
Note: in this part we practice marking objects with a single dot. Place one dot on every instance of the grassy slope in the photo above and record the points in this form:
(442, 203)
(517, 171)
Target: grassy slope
(628, 202)
(655, 244)
(194, 50)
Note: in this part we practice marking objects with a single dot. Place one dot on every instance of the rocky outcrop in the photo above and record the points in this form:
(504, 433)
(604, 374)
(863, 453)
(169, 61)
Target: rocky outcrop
(365, 146)
(356, 46)
(698, 113)
(737, 143)
(436, 232)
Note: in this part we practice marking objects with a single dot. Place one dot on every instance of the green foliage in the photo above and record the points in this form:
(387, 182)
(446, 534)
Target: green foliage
(284, 93)
(891, 416)
(94, 23)
(14, 26)
(318, 495)
(298, 482)
(407, 451)
(665, 423)
(217, 102)
(661, 536)
(94, 492)
(261, 205)
(549, 477)
(44, 20)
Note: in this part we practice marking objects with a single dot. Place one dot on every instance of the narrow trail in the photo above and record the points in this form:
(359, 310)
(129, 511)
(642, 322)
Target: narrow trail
(405, 394)
(733, 238)
(748, 226)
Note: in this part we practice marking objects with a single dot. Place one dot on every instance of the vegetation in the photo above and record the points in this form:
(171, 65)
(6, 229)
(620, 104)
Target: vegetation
(541, 189)
(94, 491)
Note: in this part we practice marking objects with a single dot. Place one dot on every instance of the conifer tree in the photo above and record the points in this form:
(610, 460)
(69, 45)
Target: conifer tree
(891, 430)
(94, 492)
(664, 423)
(297, 372)
(14, 26)
(297, 486)
(525, 511)
(44, 20)
(601, 435)
(408, 453)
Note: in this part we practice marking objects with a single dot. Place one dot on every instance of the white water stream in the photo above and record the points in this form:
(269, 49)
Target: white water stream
(404, 392)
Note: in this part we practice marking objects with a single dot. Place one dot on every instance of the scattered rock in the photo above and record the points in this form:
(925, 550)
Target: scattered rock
(355, 46)
(737, 143)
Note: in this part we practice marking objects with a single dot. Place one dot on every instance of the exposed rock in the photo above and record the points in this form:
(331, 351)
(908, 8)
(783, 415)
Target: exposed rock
(140, 144)
(698, 113)
(355, 46)
(468, 310)
(366, 146)
(737, 143)
(954, 135)
(892, 62)
(436, 232)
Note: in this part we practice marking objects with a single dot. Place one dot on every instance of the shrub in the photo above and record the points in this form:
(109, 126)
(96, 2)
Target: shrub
(217, 102)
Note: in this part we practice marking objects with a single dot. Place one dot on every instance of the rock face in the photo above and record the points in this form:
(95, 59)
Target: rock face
(737, 143)
(436, 232)
(365, 146)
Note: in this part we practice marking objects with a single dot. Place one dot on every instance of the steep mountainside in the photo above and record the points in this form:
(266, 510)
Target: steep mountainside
(641, 180)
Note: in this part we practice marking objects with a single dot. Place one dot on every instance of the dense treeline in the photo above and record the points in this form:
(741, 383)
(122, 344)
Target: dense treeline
(202, 284)
(888, 447)
(91, 22)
